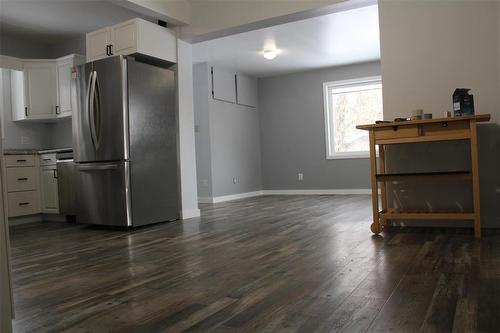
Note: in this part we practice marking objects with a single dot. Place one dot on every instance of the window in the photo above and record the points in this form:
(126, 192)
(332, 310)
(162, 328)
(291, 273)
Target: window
(347, 104)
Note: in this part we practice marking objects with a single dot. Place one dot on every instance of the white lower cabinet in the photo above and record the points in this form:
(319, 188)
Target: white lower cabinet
(23, 203)
(23, 190)
(31, 184)
(49, 195)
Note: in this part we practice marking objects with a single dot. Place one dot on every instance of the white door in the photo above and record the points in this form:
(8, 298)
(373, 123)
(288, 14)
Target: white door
(50, 199)
(97, 43)
(64, 88)
(40, 91)
(124, 38)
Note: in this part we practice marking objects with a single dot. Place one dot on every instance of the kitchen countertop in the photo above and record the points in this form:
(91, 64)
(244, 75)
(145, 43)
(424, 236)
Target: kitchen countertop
(35, 151)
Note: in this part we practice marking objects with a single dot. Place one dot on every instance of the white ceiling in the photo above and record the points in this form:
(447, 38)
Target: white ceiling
(53, 21)
(331, 40)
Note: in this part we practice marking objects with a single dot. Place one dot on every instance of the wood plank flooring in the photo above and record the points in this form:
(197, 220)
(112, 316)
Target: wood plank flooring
(266, 264)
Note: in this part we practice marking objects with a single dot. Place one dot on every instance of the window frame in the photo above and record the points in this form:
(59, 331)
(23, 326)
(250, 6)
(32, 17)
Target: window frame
(329, 132)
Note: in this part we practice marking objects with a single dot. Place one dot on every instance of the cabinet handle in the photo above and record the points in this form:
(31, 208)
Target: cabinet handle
(23, 203)
(57, 109)
(25, 111)
(54, 173)
(21, 161)
(111, 49)
(107, 50)
(22, 179)
(47, 159)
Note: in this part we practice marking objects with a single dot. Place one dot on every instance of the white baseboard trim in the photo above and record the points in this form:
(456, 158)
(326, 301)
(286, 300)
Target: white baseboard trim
(224, 198)
(189, 213)
(230, 197)
(205, 200)
(318, 192)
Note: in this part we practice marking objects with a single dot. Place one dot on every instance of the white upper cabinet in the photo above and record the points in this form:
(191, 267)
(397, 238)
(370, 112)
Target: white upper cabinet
(124, 37)
(131, 37)
(19, 109)
(98, 44)
(223, 85)
(39, 89)
(246, 90)
(230, 87)
(42, 91)
(64, 67)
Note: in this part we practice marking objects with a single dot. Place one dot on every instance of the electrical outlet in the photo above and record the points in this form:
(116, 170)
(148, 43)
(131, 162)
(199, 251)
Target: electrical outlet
(300, 176)
(25, 140)
(235, 180)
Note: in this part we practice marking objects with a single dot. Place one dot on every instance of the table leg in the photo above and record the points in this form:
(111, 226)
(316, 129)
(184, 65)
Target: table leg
(475, 179)
(383, 185)
(375, 227)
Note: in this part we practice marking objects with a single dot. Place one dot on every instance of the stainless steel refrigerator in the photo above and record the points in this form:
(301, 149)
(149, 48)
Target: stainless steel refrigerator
(125, 143)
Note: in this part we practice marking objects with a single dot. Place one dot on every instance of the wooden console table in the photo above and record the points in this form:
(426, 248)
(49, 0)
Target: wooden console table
(414, 131)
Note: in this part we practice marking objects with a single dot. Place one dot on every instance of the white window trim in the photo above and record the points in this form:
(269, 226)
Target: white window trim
(326, 103)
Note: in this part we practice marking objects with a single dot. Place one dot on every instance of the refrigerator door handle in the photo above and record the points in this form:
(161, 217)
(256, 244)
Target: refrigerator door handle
(92, 103)
(101, 167)
(88, 99)
(97, 110)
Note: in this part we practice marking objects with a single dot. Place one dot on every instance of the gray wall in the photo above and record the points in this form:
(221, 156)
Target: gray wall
(235, 148)
(227, 142)
(293, 132)
(62, 134)
(22, 47)
(75, 45)
(201, 98)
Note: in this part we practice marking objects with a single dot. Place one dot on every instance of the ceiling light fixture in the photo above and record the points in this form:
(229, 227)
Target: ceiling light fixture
(269, 54)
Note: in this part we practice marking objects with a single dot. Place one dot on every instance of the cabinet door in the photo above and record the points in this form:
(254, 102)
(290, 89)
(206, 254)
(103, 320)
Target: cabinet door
(40, 91)
(223, 85)
(17, 95)
(96, 44)
(50, 198)
(246, 90)
(64, 88)
(124, 38)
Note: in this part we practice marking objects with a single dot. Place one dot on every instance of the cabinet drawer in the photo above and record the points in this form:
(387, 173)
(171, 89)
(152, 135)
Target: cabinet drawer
(447, 128)
(396, 132)
(19, 160)
(48, 159)
(21, 179)
(23, 203)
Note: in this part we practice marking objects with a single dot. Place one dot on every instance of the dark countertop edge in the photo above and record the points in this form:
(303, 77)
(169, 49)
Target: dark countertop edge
(35, 151)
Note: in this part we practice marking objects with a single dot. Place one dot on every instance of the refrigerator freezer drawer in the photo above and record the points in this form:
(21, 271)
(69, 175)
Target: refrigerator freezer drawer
(102, 193)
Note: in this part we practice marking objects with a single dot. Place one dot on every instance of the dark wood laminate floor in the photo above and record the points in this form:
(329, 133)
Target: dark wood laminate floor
(267, 264)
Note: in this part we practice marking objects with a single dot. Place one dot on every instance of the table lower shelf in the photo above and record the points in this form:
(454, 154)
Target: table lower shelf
(419, 215)
(418, 176)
